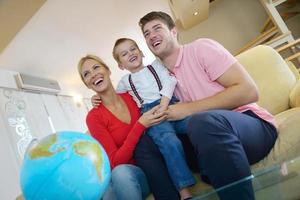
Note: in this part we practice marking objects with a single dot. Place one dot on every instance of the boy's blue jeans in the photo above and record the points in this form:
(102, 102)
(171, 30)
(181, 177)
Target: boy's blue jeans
(164, 136)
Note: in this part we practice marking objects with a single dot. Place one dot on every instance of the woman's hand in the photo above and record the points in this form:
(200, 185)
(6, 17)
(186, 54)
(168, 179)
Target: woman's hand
(96, 101)
(152, 117)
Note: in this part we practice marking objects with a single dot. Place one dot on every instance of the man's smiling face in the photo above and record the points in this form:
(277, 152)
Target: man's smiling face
(159, 38)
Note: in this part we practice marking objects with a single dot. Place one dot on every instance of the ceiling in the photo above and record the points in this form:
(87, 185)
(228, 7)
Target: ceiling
(49, 37)
(189, 13)
(14, 14)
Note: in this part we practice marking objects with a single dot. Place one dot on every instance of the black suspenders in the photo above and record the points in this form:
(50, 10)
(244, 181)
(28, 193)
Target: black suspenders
(153, 72)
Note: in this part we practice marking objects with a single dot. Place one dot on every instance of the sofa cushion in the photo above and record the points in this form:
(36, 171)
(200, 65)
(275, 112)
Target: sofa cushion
(271, 74)
(287, 145)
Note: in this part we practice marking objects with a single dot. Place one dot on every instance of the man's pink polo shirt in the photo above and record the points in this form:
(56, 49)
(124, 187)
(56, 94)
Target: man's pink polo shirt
(198, 66)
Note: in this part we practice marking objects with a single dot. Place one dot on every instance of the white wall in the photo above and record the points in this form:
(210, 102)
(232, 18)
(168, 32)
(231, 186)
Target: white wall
(62, 31)
(24, 116)
(294, 25)
(9, 167)
(7, 79)
(233, 23)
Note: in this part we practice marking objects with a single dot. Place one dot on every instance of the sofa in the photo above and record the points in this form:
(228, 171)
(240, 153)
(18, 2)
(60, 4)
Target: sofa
(279, 88)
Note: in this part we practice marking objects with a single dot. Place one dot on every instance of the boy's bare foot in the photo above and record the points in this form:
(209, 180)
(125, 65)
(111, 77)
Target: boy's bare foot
(185, 194)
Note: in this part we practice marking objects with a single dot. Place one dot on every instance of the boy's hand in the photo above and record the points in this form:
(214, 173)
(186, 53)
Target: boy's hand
(96, 101)
(151, 117)
(163, 106)
(178, 111)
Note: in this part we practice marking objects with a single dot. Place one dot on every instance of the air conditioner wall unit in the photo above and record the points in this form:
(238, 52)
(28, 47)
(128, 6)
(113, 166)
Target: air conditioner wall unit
(36, 84)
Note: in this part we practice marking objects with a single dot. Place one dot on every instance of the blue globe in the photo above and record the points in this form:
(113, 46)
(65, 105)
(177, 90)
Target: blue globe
(65, 165)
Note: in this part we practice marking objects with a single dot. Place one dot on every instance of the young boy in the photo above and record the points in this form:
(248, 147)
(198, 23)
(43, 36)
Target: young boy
(150, 86)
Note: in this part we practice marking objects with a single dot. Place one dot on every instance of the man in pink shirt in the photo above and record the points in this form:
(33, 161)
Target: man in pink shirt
(228, 130)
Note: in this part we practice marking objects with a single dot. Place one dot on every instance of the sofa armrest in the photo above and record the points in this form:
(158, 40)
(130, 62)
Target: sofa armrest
(295, 71)
(295, 95)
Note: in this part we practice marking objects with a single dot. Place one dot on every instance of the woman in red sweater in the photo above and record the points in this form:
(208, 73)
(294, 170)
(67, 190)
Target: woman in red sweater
(118, 126)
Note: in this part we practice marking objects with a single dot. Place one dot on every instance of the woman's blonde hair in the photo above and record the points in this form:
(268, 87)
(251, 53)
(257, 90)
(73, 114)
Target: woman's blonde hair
(89, 57)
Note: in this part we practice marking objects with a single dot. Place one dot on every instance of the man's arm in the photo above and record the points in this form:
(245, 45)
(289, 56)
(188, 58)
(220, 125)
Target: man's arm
(239, 90)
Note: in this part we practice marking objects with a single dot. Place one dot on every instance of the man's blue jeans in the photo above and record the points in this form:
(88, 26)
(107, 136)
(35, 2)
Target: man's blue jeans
(128, 182)
(223, 144)
(164, 136)
(227, 144)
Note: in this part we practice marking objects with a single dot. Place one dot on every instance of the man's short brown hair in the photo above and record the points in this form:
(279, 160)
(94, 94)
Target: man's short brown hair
(157, 15)
(117, 43)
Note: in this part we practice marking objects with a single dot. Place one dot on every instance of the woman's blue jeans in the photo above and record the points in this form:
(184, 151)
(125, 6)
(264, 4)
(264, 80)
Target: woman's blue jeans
(164, 136)
(128, 182)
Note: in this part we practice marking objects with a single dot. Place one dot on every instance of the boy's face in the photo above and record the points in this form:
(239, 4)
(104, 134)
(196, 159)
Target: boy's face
(159, 38)
(130, 56)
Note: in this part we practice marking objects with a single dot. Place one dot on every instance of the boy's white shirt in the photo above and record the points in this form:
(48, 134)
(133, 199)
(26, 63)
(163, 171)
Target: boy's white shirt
(146, 84)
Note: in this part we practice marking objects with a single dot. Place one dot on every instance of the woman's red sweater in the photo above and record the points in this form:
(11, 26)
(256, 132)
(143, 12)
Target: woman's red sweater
(117, 138)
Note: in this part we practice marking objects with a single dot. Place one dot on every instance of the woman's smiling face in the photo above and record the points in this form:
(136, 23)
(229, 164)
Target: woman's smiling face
(95, 75)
